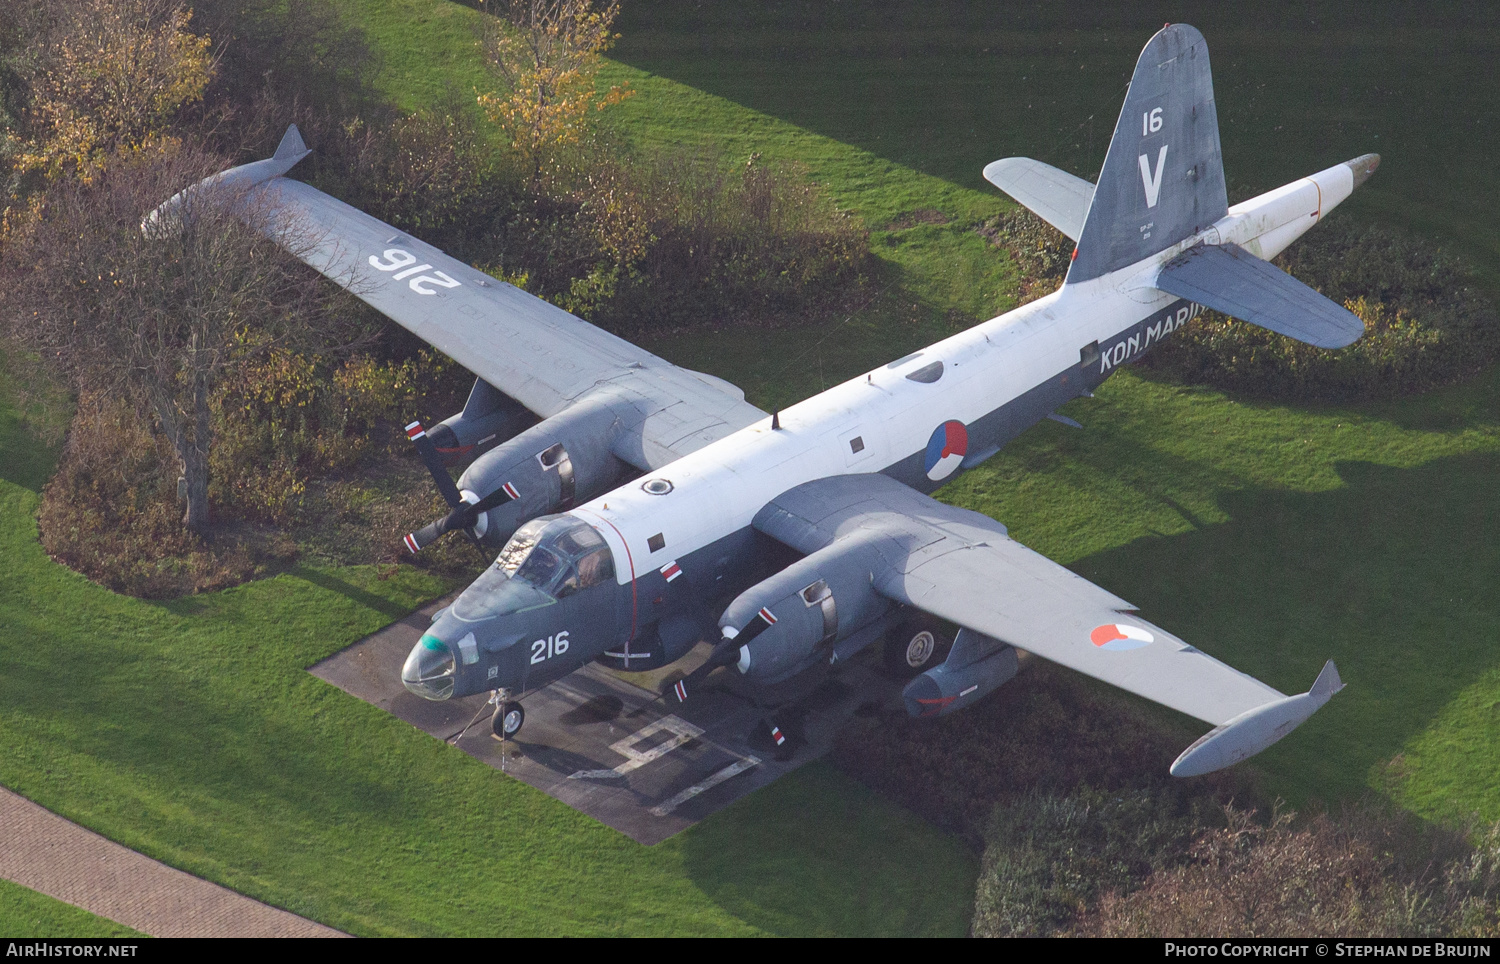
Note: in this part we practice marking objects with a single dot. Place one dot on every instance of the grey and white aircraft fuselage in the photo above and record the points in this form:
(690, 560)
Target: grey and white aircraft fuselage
(995, 380)
(651, 507)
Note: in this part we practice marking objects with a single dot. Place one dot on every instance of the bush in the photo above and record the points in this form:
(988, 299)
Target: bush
(1048, 730)
(686, 239)
(286, 420)
(1368, 875)
(111, 512)
(1427, 323)
(1051, 857)
(1040, 252)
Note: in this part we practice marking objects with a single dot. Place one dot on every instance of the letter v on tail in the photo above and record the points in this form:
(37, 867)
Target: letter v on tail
(1152, 182)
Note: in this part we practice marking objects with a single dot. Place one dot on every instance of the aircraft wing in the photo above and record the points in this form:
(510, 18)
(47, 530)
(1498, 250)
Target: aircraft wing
(962, 566)
(529, 349)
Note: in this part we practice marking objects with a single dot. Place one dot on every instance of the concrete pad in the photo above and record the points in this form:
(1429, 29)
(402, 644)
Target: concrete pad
(607, 747)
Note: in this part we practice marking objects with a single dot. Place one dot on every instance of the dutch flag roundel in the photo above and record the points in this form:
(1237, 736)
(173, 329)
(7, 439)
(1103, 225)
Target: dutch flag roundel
(946, 450)
(1118, 636)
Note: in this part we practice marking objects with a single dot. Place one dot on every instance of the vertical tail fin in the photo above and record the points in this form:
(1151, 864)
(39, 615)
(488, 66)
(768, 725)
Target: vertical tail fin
(1163, 178)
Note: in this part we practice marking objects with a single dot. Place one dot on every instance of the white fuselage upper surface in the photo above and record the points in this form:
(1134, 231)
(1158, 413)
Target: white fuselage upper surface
(718, 489)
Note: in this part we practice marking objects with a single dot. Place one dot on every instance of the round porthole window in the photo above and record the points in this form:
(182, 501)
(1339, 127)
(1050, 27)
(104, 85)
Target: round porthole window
(656, 486)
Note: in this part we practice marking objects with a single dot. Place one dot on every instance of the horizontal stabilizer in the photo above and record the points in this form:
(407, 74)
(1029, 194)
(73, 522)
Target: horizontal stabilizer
(1254, 730)
(1227, 278)
(1056, 197)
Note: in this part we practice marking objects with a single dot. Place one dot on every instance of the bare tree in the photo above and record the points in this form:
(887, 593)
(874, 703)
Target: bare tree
(158, 317)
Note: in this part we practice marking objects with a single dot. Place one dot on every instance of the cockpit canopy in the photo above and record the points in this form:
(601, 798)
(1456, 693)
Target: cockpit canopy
(548, 558)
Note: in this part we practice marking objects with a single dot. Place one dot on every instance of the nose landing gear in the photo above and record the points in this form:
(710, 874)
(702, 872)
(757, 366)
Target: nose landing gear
(509, 715)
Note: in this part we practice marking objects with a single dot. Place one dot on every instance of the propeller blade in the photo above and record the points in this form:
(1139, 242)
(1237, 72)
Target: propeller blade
(463, 516)
(726, 652)
(506, 493)
(434, 463)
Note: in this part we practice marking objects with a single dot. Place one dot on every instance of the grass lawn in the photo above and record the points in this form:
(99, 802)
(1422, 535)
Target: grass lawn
(1275, 537)
(26, 913)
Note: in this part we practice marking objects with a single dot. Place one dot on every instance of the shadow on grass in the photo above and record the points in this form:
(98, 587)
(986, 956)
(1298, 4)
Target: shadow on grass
(24, 461)
(816, 854)
(332, 583)
(1391, 575)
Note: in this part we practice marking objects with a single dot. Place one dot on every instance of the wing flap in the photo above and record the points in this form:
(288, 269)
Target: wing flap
(1227, 278)
(1055, 196)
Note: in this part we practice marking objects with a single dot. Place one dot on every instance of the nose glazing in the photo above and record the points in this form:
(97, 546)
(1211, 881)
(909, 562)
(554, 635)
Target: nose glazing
(430, 668)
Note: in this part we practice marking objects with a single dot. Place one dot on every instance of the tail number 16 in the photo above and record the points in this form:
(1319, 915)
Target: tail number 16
(549, 647)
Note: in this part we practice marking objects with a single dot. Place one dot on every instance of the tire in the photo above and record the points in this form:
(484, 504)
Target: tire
(508, 720)
(916, 646)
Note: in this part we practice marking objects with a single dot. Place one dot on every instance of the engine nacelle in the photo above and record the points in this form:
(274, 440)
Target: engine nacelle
(792, 619)
(489, 418)
(550, 467)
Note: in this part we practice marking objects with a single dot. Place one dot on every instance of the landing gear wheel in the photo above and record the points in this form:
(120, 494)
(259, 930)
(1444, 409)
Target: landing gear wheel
(915, 646)
(507, 720)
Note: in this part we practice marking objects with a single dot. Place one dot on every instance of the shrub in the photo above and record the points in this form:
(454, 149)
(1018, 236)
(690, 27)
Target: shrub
(1041, 252)
(1335, 879)
(685, 239)
(1051, 857)
(111, 512)
(1048, 730)
(289, 419)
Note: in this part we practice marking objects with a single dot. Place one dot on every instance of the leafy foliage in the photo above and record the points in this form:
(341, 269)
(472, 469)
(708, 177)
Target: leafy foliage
(1052, 857)
(286, 418)
(112, 514)
(687, 239)
(1368, 875)
(111, 83)
(548, 59)
(1039, 250)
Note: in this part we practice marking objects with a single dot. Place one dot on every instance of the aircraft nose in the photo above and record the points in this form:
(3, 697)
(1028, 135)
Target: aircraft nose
(430, 669)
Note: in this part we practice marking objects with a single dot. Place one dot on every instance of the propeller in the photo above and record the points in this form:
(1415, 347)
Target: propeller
(724, 653)
(465, 513)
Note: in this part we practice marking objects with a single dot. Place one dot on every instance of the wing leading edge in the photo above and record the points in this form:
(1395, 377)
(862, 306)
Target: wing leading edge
(529, 349)
(963, 567)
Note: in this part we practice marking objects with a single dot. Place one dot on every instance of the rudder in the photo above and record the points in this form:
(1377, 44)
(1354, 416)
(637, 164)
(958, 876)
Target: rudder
(1163, 178)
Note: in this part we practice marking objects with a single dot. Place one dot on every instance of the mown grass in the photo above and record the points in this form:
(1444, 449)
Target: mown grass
(191, 731)
(1273, 536)
(26, 913)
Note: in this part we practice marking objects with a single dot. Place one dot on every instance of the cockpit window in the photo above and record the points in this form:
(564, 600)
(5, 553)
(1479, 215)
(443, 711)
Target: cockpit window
(547, 559)
(540, 567)
(519, 546)
(579, 539)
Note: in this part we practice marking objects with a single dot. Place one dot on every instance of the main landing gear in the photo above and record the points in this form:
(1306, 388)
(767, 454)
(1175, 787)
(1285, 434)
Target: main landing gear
(917, 644)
